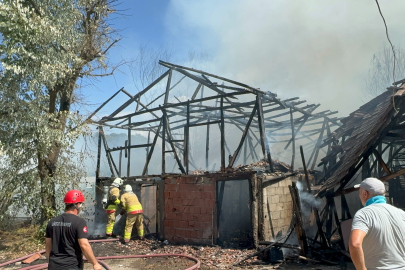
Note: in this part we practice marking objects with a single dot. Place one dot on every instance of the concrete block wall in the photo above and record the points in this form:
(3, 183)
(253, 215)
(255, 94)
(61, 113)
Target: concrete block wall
(189, 209)
(277, 209)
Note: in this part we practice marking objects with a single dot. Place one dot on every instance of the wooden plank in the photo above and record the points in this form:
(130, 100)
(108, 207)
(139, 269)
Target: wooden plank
(222, 128)
(98, 154)
(393, 175)
(187, 142)
(169, 137)
(305, 170)
(160, 189)
(126, 148)
(145, 169)
(207, 146)
(164, 119)
(102, 105)
(120, 165)
(263, 138)
(317, 146)
(242, 140)
(147, 149)
(167, 64)
(381, 161)
(169, 79)
(293, 140)
(129, 149)
(302, 238)
(131, 100)
(108, 155)
(196, 91)
(110, 118)
(205, 124)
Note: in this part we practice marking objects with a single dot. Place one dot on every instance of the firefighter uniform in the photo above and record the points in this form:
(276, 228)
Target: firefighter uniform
(112, 205)
(133, 207)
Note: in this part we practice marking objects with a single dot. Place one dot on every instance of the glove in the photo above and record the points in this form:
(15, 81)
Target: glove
(122, 212)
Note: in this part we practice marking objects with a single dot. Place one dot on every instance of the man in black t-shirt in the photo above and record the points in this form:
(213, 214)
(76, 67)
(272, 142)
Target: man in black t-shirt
(66, 237)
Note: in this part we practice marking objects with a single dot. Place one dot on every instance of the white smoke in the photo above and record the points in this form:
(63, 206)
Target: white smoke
(318, 50)
(307, 200)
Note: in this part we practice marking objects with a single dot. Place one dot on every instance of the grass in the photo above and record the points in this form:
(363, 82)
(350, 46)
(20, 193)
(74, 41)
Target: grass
(19, 241)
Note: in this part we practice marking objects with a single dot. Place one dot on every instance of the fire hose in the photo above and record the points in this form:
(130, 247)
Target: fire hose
(100, 259)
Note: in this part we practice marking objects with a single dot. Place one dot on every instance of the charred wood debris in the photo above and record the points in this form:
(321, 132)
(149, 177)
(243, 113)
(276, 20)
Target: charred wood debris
(352, 148)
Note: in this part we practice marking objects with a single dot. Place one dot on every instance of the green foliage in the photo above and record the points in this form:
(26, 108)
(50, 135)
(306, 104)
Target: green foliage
(45, 47)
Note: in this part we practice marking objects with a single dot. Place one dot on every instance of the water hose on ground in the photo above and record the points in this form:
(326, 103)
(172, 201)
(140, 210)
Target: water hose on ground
(100, 259)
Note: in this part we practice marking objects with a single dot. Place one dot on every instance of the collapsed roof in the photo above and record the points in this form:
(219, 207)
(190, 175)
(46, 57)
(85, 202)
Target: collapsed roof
(260, 120)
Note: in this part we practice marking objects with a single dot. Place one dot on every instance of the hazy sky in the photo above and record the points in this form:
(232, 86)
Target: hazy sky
(318, 50)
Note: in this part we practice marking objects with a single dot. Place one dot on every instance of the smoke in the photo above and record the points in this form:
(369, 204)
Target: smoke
(308, 201)
(318, 50)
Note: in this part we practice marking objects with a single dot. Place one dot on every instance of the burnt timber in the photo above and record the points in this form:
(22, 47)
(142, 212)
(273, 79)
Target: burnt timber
(219, 103)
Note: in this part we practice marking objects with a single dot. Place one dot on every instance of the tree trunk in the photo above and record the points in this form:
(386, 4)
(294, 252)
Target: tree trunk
(47, 163)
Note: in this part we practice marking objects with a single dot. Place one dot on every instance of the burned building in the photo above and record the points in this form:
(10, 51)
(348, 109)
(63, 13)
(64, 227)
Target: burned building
(215, 145)
(369, 143)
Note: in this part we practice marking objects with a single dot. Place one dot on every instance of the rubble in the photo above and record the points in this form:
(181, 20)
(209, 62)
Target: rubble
(261, 165)
(210, 256)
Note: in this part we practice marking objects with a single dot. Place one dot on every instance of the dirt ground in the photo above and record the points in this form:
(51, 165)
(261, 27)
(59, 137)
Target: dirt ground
(19, 242)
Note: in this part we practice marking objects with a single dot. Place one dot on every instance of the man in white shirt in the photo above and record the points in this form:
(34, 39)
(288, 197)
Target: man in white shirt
(377, 240)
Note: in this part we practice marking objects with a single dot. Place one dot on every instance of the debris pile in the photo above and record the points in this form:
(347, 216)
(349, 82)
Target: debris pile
(261, 165)
(264, 165)
(211, 257)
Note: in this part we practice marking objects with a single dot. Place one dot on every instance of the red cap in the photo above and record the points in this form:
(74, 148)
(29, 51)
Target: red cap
(73, 196)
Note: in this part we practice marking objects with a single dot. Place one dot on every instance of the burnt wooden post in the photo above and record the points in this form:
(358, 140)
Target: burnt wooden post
(145, 169)
(245, 153)
(107, 152)
(187, 139)
(170, 140)
(160, 190)
(305, 170)
(345, 208)
(137, 104)
(318, 144)
(263, 137)
(293, 139)
(119, 166)
(98, 154)
(207, 146)
(169, 79)
(302, 237)
(147, 150)
(365, 169)
(242, 140)
(164, 120)
(129, 148)
(222, 136)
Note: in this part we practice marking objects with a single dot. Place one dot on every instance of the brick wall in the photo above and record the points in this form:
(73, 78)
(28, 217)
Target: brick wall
(279, 213)
(189, 208)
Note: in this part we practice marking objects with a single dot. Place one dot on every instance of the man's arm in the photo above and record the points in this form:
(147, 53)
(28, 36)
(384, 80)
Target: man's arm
(356, 249)
(88, 253)
(48, 247)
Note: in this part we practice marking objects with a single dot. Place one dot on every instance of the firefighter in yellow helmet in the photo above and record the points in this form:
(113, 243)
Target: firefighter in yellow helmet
(133, 207)
(112, 201)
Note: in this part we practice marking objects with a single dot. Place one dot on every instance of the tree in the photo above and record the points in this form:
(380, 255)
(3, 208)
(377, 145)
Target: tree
(380, 73)
(46, 46)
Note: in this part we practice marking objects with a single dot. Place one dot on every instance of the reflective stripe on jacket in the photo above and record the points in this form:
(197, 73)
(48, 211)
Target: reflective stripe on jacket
(130, 203)
(113, 205)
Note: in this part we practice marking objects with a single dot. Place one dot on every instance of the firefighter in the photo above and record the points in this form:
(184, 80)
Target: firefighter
(112, 200)
(133, 208)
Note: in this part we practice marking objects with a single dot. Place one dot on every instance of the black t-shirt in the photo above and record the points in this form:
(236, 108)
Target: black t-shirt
(65, 230)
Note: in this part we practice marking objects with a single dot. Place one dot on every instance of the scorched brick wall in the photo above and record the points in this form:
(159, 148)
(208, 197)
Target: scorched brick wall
(189, 208)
